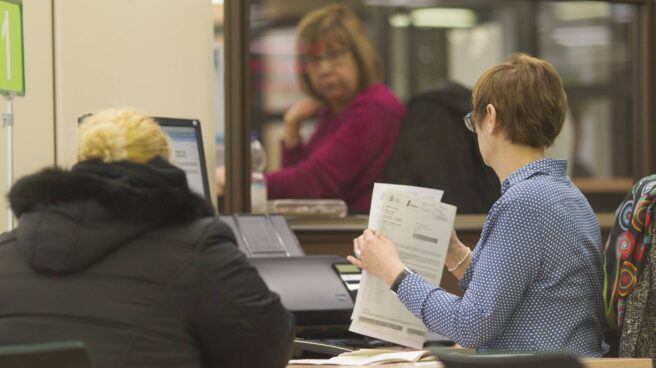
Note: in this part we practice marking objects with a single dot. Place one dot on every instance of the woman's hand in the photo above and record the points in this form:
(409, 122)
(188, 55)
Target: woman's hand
(295, 115)
(377, 255)
(219, 174)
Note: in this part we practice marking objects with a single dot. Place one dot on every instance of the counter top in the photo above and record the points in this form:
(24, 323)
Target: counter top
(359, 222)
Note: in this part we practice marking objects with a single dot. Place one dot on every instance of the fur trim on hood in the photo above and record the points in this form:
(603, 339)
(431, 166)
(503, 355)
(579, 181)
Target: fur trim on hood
(153, 192)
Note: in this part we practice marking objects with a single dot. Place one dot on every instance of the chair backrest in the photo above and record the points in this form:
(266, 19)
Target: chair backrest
(65, 354)
(457, 360)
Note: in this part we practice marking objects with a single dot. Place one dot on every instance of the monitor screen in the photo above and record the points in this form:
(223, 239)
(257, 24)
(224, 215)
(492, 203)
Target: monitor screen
(187, 151)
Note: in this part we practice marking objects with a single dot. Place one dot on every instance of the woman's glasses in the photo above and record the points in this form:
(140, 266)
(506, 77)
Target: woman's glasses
(81, 118)
(469, 122)
(333, 57)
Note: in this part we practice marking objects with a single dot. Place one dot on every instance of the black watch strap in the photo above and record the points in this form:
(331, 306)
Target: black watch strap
(397, 281)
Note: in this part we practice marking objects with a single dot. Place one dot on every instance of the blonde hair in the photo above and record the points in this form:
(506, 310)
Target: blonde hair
(121, 134)
(337, 25)
(528, 96)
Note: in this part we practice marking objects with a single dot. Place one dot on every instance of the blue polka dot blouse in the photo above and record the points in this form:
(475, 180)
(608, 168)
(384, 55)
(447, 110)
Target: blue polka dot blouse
(535, 279)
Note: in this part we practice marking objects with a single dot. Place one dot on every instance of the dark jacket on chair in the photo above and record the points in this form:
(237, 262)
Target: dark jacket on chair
(435, 150)
(123, 257)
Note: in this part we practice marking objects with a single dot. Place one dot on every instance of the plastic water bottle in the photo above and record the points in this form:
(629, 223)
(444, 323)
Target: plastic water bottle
(258, 181)
(220, 150)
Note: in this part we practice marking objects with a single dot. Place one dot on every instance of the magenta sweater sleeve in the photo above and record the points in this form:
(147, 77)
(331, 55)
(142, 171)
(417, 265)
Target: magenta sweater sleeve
(365, 132)
(291, 157)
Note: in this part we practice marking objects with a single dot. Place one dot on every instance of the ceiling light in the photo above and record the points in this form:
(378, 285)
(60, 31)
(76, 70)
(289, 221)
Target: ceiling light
(581, 10)
(443, 18)
(399, 20)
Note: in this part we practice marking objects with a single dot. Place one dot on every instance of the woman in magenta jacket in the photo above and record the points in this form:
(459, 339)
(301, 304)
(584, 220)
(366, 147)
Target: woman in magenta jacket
(358, 117)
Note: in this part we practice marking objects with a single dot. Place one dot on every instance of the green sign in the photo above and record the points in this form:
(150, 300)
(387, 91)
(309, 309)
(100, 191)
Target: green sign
(12, 76)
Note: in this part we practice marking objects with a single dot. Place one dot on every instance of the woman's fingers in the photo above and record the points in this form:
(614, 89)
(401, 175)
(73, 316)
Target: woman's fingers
(360, 246)
(361, 243)
(355, 261)
(368, 235)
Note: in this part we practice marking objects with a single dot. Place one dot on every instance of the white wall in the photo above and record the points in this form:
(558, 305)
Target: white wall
(34, 139)
(153, 55)
(86, 55)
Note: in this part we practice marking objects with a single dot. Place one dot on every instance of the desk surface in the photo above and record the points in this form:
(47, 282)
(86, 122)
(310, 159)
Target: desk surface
(359, 222)
(587, 362)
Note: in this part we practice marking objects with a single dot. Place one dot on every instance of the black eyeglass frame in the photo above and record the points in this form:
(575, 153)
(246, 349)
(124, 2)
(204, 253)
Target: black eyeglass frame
(469, 122)
(332, 57)
(81, 118)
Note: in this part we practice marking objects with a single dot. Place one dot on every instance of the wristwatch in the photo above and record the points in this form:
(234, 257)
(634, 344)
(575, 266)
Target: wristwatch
(397, 281)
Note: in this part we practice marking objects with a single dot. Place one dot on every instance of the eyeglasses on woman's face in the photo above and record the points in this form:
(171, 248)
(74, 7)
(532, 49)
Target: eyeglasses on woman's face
(469, 122)
(332, 57)
(81, 118)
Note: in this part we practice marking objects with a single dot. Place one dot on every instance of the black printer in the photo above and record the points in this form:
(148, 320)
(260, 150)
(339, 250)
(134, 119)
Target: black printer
(319, 290)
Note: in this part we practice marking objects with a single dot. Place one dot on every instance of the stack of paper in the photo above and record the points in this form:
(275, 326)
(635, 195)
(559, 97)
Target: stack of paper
(367, 357)
(420, 226)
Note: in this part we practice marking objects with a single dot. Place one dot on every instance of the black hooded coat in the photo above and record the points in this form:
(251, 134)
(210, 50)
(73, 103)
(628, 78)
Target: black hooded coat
(435, 150)
(124, 257)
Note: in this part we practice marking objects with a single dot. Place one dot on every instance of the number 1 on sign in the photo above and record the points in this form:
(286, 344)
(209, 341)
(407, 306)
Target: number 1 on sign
(5, 36)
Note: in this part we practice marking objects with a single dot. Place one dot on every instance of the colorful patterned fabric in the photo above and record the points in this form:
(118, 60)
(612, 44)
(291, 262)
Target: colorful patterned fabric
(627, 245)
(638, 337)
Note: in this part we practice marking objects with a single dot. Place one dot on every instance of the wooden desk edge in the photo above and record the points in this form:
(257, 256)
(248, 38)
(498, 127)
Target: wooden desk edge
(587, 363)
(359, 223)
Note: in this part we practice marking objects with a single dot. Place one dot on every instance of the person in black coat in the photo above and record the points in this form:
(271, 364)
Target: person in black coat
(435, 150)
(118, 252)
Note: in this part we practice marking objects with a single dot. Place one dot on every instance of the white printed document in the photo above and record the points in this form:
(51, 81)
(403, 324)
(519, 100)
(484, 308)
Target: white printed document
(420, 226)
(377, 203)
(379, 191)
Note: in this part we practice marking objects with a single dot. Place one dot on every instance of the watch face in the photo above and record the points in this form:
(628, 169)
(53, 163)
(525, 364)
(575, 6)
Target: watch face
(399, 279)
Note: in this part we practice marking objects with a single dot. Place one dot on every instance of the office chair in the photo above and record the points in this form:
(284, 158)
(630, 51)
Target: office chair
(458, 360)
(65, 354)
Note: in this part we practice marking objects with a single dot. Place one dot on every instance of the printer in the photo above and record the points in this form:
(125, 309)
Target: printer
(318, 290)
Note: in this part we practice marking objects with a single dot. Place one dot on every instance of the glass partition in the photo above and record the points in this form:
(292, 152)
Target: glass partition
(595, 46)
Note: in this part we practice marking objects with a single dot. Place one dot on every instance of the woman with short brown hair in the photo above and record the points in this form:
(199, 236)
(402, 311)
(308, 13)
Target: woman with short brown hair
(528, 97)
(534, 281)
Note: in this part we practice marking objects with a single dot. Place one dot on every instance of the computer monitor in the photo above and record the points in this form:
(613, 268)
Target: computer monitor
(187, 151)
